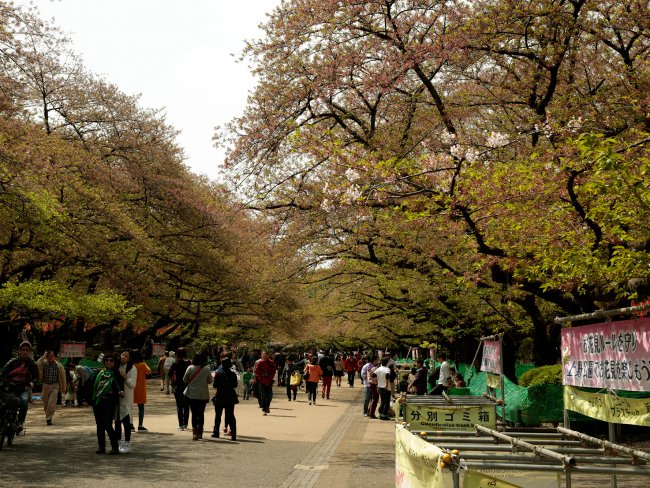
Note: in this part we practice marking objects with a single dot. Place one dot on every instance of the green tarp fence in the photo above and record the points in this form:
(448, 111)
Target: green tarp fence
(524, 406)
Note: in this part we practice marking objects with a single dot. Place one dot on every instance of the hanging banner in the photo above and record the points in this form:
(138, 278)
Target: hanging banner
(72, 350)
(608, 408)
(474, 479)
(416, 461)
(491, 360)
(433, 417)
(157, 349)
(612, 355)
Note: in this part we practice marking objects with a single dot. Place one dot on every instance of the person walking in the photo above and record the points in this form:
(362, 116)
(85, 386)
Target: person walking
(167, 365)
(247, 378)
(197, 377)
(51, 374)
(291, 377)
(106, 393)
(338, 369)
(127, 378)
(140, 391)
(161, 369)
(264, 378)
(446, 380)
(280, 360)
(326, 364)
(313, 373)
(350, 364)
(177, 372)
(225, 381)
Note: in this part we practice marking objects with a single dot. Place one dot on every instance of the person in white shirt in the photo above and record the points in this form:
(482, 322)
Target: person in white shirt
(167, 366)
(446, 380)
(383, 372)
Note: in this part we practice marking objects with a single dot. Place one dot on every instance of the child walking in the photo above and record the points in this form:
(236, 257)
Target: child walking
(246, 380)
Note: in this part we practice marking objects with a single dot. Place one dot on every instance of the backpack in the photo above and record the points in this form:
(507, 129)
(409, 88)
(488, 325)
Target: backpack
(296, 379)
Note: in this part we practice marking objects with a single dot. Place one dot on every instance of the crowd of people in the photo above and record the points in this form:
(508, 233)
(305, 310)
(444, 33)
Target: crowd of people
(114, 389)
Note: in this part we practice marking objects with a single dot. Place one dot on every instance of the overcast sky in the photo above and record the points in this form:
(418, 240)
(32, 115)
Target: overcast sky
(176, 54)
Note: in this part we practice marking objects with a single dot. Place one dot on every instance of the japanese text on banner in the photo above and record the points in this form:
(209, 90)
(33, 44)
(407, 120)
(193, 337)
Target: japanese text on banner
(610, 355)
(416, 461)
(608, 408)
(429, 417)
(491, 360)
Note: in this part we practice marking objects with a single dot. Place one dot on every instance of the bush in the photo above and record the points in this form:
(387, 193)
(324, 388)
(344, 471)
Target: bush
(544, 375)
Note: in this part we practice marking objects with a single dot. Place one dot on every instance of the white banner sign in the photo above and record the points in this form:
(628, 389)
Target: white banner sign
(72, 350)
(491, 361)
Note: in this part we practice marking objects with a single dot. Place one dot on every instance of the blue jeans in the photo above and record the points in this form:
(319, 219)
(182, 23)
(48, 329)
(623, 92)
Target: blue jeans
(366, 400)
(24, 402)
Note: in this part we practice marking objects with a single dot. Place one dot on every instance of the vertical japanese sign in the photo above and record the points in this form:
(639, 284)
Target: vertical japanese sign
(430, 417)
(612, 355)
(491, 361)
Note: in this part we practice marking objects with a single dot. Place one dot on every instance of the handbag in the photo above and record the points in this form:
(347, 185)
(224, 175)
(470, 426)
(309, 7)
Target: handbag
(187, 388)
(296, 379)
(306, 375)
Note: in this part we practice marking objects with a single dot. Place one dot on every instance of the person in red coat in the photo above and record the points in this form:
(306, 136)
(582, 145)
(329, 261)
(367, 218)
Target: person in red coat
(264, 373)
(351, 364)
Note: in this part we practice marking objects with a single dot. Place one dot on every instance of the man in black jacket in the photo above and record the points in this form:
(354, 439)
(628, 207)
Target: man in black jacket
(23, 373)
(326, 364)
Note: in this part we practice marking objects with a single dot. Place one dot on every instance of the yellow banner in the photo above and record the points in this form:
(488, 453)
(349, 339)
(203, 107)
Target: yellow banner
(430, 417)
(474, 479)
(416, 461)
(493, 380)
(609, 408)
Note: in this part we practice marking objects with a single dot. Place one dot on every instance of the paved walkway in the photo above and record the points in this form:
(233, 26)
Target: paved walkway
(297, 445)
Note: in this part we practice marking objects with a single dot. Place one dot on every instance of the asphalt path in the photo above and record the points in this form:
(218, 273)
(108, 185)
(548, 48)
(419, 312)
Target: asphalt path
(297, 445)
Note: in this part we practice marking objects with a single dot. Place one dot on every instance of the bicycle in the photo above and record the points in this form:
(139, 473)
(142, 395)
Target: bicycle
(9, 407)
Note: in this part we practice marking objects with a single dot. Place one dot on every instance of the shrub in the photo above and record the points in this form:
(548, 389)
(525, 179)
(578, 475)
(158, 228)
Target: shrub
(544, 375)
